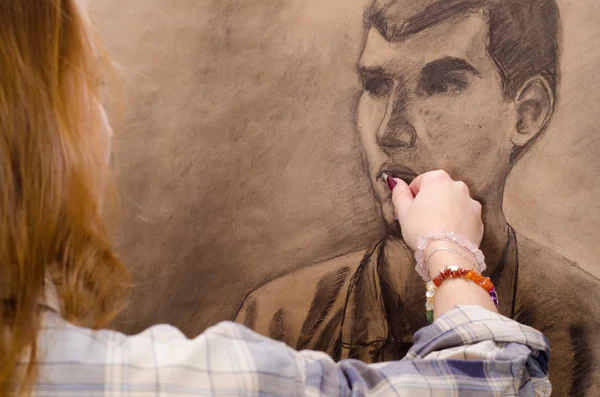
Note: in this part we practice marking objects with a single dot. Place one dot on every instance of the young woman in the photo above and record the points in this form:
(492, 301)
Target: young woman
(60, 281)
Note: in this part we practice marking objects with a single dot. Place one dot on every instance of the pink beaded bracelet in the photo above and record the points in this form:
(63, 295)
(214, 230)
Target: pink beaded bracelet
(456, 239)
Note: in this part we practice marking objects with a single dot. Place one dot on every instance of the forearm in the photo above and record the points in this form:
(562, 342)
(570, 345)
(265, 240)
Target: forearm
(468, 351)
(455, 291)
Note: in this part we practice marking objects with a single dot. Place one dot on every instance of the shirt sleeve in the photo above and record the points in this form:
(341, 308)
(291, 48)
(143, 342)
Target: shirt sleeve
(469, 351)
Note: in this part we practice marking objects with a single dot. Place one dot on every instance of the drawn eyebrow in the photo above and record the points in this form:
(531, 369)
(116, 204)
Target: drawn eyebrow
(448, 64)
(372, 70)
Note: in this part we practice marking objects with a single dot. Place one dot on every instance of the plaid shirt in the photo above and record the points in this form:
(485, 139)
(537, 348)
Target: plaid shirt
(469, 351)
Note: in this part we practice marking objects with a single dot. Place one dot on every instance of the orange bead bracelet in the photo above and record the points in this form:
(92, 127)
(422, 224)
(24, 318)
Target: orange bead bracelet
(456, 272)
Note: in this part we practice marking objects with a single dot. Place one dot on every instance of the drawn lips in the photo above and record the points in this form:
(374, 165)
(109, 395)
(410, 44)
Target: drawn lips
(400, 172)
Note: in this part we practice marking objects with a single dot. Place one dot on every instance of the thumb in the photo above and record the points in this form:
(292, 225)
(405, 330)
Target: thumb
(402, 197)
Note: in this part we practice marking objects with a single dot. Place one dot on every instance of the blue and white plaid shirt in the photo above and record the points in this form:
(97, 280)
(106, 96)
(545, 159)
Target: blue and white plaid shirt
(469, 351)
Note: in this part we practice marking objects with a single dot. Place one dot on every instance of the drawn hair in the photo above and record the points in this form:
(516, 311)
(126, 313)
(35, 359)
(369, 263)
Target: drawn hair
(524, 34)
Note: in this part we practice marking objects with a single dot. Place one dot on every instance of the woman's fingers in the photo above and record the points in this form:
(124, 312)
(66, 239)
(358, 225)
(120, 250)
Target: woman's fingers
(402, 197)
(423, 179)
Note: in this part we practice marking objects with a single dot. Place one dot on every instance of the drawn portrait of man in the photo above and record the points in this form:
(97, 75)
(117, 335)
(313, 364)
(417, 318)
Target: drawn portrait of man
(466, 86)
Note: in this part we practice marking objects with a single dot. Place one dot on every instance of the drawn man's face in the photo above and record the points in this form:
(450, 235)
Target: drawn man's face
(435, 101)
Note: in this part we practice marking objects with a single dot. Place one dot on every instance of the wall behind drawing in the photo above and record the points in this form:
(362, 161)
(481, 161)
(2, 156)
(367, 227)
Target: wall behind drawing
(238, 160)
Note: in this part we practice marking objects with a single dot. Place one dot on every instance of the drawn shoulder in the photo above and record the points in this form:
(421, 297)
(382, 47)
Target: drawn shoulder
(552, 268)
(532, 254)
(560, 299)
(293, 294)
(554, 280)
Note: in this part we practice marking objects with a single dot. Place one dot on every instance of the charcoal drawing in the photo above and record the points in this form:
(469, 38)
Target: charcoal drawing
(245, 157)
(468, 86)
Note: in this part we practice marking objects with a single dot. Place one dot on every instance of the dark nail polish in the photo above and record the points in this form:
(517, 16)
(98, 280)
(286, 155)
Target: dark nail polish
(391, 182)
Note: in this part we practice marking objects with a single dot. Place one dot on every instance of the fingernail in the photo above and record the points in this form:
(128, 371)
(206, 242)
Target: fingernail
(391, 182)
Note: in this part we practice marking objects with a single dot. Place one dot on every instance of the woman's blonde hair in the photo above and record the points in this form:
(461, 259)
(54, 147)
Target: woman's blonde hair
(53, 171)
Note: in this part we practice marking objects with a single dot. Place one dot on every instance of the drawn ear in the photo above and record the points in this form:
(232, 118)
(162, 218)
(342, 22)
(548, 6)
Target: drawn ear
(534, 105)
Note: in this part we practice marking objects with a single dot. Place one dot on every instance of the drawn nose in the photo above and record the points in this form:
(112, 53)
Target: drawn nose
(395, 130)
(396, 134)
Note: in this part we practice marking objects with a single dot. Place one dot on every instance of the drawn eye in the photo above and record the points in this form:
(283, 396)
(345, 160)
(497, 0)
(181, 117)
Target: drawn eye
(378, 86)
(444, 85)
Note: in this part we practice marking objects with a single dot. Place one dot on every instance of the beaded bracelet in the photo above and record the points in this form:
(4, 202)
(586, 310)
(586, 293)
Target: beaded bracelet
(456, 272)
(456, 239)
(456, 252)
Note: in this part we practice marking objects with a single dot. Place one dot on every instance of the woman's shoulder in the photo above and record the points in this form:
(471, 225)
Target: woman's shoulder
(223, 359)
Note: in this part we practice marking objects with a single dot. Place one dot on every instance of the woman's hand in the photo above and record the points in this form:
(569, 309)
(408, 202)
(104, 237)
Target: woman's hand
(433, 201)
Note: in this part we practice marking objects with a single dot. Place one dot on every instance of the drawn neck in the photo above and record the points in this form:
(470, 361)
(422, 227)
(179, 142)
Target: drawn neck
(495, 236)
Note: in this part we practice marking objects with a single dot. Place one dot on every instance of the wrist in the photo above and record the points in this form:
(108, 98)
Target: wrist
(442, 254)
(448, 242)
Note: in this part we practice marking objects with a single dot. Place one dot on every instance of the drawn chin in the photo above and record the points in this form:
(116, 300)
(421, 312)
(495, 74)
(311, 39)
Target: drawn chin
(394, 229)
(387, 215)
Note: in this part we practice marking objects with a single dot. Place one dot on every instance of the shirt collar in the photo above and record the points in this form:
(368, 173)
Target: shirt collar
(50, 299)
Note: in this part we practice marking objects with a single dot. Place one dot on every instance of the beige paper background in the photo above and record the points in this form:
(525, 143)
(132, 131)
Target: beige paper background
(238, 160)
